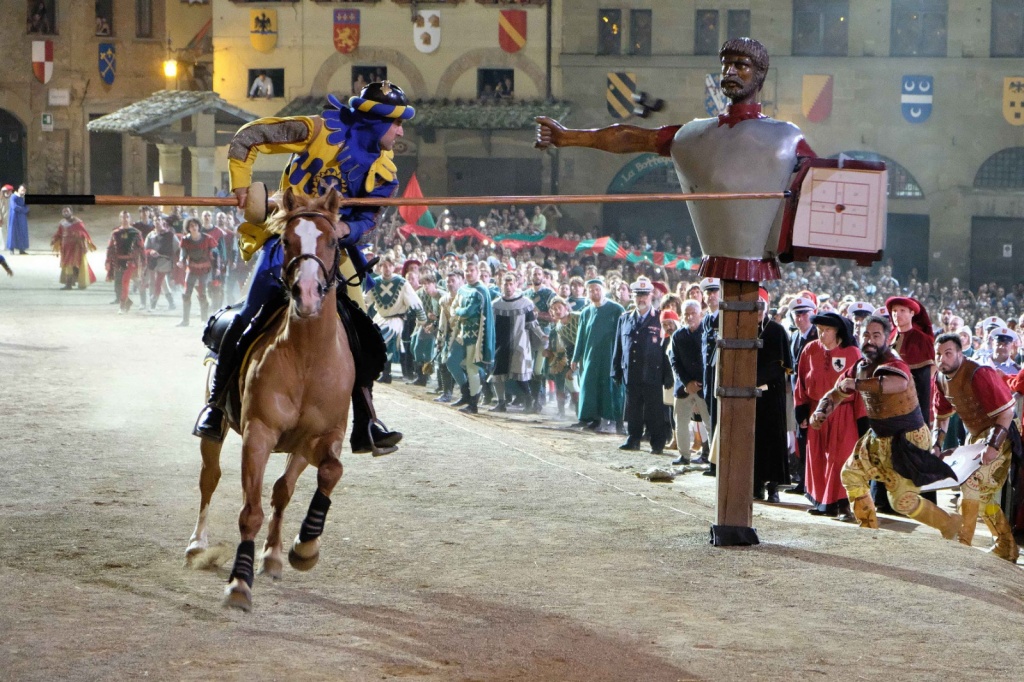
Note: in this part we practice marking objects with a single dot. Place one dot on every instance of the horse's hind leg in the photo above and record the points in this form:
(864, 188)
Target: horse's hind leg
(209, 477)
(305, 551)
(284, 488)
(257, 440)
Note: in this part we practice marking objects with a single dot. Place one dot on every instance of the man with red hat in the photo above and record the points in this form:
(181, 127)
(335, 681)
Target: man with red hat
(914, 341)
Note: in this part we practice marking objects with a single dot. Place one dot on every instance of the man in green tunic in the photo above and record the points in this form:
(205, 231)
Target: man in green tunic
(592, 359)
(472, 348)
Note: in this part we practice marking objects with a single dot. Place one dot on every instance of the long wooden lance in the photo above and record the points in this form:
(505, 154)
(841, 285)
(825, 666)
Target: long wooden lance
(117, 200)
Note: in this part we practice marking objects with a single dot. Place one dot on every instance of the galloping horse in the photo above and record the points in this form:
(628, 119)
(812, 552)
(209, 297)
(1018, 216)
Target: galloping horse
(295, 395)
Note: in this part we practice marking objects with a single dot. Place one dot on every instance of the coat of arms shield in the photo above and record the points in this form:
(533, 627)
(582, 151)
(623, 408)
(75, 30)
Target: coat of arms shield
(426, 30)
(916, 98)
(263, 29)
(107, 62)
(346, 30)
(512, 29)
(1013, 100)
(42, 60)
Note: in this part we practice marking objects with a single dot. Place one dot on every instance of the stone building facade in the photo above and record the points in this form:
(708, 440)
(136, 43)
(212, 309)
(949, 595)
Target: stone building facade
(43, 126)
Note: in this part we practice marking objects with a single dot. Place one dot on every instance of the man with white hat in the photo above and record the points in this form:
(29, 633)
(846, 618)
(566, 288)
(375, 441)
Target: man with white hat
(1003, 342)
(859, 311)
(711, 288)
(639, 363)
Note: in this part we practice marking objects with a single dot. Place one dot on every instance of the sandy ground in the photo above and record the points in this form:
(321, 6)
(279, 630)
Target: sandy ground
(487, 548)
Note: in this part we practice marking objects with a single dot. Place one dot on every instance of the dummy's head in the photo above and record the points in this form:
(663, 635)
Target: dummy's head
(735, 53)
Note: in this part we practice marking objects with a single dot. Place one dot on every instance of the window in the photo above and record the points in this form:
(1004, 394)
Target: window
(1007, 28)
(265, 83)
(918, 28)
(820, 27)
(609, 31)
(143, 18)
(364, 75)
(640, 31)
(705, 33)
(1002, 170)
(104, 17)
(738, 25)
(42, 17)
(495, 84)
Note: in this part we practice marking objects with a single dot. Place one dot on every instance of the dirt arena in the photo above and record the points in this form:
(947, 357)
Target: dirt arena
(487, 548)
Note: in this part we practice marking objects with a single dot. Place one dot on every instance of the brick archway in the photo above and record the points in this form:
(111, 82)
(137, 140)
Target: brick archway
(491, 57)
(414, 85)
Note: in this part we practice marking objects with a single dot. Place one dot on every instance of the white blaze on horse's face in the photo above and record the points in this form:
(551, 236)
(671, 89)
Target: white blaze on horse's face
(307, 284)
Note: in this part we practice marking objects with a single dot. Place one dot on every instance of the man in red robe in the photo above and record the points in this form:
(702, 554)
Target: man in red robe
(822, 362)
(72, 243)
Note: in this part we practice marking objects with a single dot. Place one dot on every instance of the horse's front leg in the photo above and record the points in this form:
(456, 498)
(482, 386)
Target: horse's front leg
(209, 477)
(257, 441)
(273, 555)
(305, 551)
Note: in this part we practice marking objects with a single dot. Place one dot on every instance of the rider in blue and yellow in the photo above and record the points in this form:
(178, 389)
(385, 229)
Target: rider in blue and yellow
(349, 148)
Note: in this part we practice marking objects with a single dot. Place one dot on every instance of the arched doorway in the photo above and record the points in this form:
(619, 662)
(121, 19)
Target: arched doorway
(650, 173)
(12, 149)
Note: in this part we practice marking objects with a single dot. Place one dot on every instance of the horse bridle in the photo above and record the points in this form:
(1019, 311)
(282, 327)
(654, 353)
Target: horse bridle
(330, 277)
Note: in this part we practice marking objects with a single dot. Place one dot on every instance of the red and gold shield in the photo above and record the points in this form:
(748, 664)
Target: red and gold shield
(512, 29)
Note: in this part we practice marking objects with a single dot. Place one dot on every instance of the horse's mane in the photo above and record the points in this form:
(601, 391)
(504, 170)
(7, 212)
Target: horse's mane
(279, 219)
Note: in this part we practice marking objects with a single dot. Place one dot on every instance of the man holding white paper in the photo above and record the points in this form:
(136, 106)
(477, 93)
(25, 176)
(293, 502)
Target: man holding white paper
(985, 405)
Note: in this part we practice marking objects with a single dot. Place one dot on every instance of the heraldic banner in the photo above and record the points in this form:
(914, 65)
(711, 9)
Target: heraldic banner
(512, 29)
(42, 60)
(817, 98)
(426, 30)
(263, 29)
(107, 62)
(621, 87)
(1013, 100)
(346, 30)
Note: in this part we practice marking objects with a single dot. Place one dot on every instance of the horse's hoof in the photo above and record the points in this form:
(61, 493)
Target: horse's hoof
(304, 555)
(272, 567)
(194, 549)
(237, 595)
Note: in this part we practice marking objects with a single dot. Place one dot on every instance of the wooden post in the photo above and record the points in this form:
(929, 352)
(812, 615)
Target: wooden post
(736, 390)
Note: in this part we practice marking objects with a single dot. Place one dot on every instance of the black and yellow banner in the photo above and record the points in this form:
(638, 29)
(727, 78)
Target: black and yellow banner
(621, 87)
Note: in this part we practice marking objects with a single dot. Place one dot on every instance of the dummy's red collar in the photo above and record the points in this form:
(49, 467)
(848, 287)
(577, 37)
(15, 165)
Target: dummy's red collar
(740, 112)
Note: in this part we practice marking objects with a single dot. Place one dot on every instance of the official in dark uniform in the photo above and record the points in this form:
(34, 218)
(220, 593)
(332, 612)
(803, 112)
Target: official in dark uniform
(711, 288)
(801, 309)
(640, 364)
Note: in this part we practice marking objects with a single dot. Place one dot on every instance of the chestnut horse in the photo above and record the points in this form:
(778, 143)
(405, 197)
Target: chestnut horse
(295, 395)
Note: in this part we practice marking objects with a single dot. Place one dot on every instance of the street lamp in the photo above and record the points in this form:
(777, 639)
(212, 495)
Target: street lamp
(170, 63)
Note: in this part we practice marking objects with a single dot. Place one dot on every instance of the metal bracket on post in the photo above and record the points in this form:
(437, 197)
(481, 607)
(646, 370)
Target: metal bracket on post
(737, 392)
(739, 344)
(742, 306)
(733, 536)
